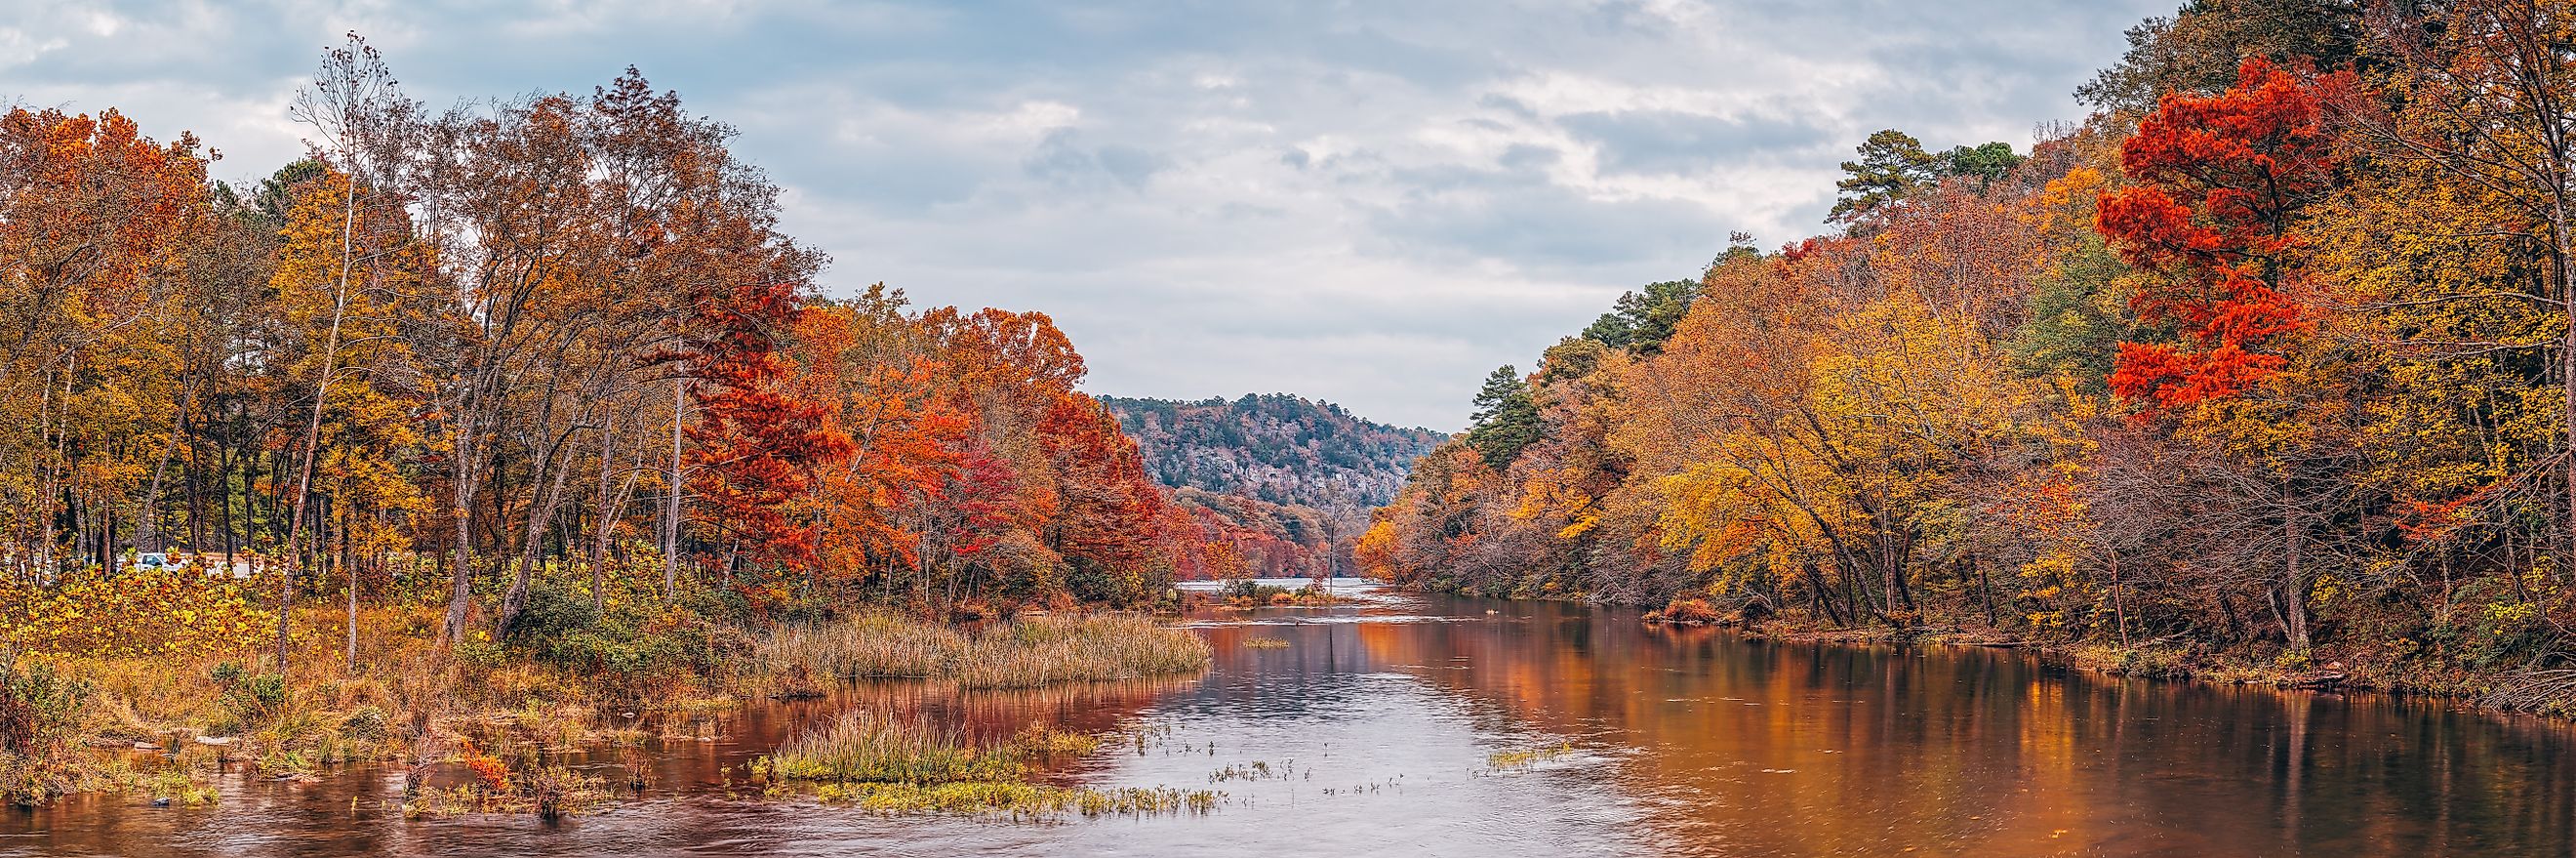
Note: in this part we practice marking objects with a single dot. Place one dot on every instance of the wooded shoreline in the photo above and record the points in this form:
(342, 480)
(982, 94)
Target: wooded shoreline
(2269, 360)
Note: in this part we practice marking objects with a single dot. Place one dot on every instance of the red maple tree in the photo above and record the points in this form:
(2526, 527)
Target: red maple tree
(2222, 178)
(757, 445)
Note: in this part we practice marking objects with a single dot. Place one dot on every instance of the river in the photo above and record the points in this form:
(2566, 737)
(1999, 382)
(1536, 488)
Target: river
(1378, 729)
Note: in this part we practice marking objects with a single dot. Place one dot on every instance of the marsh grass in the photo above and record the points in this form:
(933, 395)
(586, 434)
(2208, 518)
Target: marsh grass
(1265, 643)
(874, 646)
(548, 791)
(906, 767)
(1045, 741)
(1022, 799)
(1522, 758)
(1024, 653)
(864, 747)
(409, 697)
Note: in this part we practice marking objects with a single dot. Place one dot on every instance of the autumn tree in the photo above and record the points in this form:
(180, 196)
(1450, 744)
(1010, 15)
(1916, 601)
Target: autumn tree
(2222, 180)
(96, 221)
(2471, 112)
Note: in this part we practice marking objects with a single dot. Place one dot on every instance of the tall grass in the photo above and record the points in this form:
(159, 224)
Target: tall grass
(1022, 654)
(895, 767)
(864, 747)
(1048, 650)
(874, 646)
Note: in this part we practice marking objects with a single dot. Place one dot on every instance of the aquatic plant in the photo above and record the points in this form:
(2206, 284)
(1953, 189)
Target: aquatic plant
(1022, 799)
(1047, 650)
(862, 746)
(1025, 653)
(1522, 758)
(1048, 740)
(1257, 770)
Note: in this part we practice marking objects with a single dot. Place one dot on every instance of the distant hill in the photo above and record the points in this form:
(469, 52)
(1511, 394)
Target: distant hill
(1278, 448)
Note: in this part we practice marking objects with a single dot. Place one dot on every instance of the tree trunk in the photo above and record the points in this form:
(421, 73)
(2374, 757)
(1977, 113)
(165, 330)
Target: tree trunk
(460, 507)
(349, 571)
(2294, 591)
(2566, 262)
(607, 516)
(2119, 601)
(313, 426)
(671, 508)
(541, 511)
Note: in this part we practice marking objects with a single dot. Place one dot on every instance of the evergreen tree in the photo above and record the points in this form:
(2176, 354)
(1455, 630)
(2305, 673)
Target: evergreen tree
(1506, 418)
(1644, 318)
(1892, 166)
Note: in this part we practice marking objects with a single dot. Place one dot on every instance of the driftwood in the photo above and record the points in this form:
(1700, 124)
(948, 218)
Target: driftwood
(2322, 679)
(2533, 689)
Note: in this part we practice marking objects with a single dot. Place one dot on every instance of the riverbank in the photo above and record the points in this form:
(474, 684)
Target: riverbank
(161, 717)
(1464, 728)
(2335, 665)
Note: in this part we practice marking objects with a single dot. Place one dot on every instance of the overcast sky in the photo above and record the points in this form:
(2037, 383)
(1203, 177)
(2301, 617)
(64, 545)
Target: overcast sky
(1372, 203)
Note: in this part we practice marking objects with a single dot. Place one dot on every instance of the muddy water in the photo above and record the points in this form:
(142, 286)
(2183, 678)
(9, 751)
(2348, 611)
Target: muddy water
(1377, 726)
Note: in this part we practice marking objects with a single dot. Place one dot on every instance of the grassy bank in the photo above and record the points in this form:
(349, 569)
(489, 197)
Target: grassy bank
(190, 687)
(897, 766)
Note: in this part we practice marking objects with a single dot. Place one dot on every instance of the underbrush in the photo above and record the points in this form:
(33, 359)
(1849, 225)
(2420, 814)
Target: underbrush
(1686, 612)
(528, 782)
(40, 713)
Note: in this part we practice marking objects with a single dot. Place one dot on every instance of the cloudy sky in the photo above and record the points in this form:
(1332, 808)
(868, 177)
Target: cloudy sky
(1372, 203)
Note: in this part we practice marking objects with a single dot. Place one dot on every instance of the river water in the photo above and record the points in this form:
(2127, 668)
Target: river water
(1378, 728)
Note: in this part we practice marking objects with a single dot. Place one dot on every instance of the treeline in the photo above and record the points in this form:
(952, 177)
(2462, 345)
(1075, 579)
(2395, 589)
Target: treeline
(554, 338)
(2270, 356)
(1253, 538)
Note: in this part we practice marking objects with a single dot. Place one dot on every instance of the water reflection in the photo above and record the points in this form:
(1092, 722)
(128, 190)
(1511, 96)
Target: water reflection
(1375, 729)
(1755, 748)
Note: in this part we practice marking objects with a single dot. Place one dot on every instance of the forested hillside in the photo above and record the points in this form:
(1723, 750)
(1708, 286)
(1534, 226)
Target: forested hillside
(2266, 362)
(1283, 483)
(1278, 448)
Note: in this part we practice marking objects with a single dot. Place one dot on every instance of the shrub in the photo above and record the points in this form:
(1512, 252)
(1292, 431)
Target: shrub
(1686, 612)
(634, 651)
(40, 711)
(136, 613)
(248, 700)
